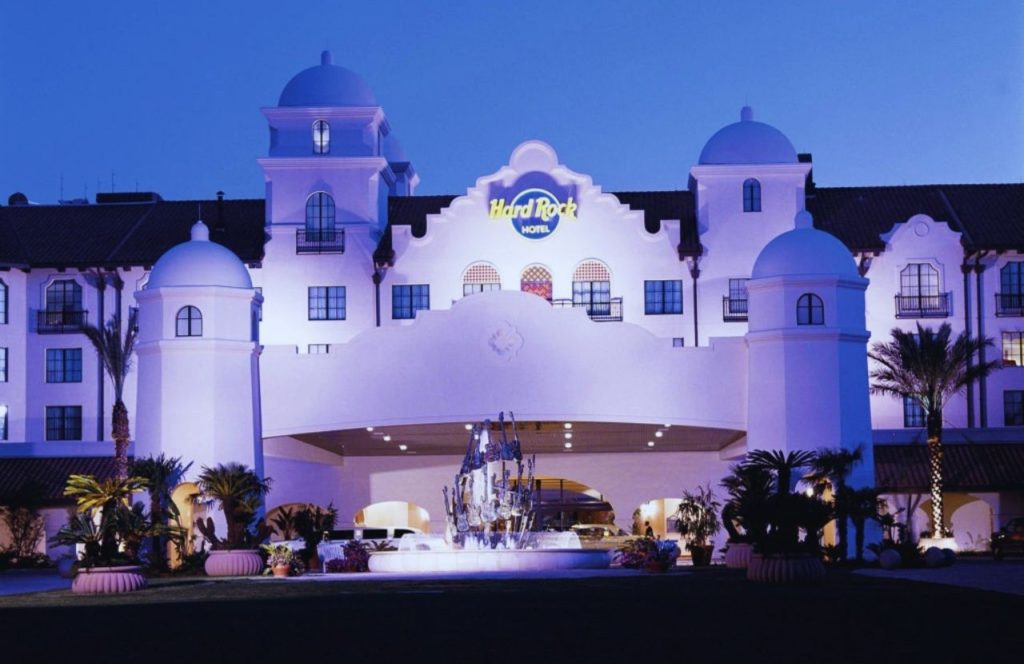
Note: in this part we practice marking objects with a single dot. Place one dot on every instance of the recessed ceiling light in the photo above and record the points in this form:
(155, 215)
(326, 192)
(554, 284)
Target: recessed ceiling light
(567, 425)
(469, 427)
(403, 447)
(568, 446)
(369, 429)
(667, 425)
(659, 434)
(650, 443)
(568, 435)
(387, 438)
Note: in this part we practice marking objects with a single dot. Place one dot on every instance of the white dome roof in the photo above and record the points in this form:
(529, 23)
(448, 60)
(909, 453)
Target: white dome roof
(199, 262)
(805, 251)
(748, 142)
(327, 85)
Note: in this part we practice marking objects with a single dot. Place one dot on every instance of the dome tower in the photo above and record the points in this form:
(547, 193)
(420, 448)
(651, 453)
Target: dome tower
(198, 355)
(807, 347)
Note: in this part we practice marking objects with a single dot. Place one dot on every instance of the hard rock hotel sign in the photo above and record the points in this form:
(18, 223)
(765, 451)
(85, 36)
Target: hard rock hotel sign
(535, 204)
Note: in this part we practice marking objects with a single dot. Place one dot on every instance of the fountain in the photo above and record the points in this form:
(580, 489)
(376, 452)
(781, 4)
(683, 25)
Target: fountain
(490, 518)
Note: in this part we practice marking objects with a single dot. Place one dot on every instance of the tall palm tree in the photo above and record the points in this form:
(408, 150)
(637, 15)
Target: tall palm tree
(782, 464)
(833, 466)
(115, 352)
(862, 505)
(929, 367)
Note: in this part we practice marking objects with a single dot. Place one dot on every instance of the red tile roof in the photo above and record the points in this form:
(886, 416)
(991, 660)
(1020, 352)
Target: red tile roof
(972, 467)
(51, 474)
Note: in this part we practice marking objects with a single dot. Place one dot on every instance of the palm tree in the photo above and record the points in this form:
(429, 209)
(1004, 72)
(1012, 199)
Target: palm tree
(240, 492)
(162, 475)
(861, 506)
(832, 467)
(115, 352)
(929, 367)
(105, 497)
(782, 464)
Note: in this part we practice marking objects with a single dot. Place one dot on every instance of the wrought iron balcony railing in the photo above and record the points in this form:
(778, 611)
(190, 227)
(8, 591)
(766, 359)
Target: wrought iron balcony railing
(923, 306)
(60, 322)
(1009, 304)
(324, 241)
(601, 312)
(734, 310)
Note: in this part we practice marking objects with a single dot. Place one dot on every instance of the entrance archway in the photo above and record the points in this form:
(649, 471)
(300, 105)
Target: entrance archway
(393, 514)
(184, 499)
(561, 502)
(659, 512)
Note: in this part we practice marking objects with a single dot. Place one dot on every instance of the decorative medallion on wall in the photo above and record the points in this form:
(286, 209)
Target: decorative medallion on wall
(505, 341)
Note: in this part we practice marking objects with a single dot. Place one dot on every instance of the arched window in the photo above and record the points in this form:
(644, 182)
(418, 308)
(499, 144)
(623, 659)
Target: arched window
(189, 322)
(920, 293)
(320, 217)
(480, 278)
(810, 310)
(592, 288)
(536, 279)
(751, 196)
(3, 303)
(321, 137)
(1010, 300)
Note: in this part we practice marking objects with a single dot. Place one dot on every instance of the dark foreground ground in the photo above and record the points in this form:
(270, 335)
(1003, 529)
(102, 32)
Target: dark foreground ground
(715, 614)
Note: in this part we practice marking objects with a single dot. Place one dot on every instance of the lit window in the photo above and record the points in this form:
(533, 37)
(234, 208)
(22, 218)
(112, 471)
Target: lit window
(318, 349)
(913, 413)
(1013, 349)
(320, 217)
(63, 365)
(326, 302)
(3, 303)
(3, 365)
(751, 196)
(321, 137)
(407, 300)
(663, 297)
(189, 322)
(480, 278)
(536, 279)
(63, 423)
(1013, 408)
(810, 310)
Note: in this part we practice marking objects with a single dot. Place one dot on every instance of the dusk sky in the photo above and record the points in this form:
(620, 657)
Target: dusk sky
(167, 95)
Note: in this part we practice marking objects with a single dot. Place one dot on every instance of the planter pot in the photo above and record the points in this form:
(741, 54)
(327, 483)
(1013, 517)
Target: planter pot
(107, 580)
(237, 562)
(701, 555)
(795, 568)
(737, 555)
(282, 570)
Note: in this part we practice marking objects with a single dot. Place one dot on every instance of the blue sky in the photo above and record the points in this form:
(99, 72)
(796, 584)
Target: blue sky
(167, 95)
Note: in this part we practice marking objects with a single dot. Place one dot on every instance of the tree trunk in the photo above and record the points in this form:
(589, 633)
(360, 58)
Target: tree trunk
(859, 539)
(157, 541)
(839, 497)
(936, 473)
(121, 434)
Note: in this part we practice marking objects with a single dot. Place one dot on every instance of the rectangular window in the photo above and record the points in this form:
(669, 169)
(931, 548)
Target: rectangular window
(913, 413)
(1013, 408)
(318, 349)
(3, 303)
(663, 297)
(63, 423)
(63, 365)
(326, 303)
(1013, 349)
(3, 365)
(595, 296)
(407, 300)
(3, 421)
(678, 342)
(259, 307)
(472, 289)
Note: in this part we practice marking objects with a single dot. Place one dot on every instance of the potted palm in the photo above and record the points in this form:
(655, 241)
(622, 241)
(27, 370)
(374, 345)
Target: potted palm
(697, 521)
(282, 561)
(110, 530)
(240, 492)
(743, 515)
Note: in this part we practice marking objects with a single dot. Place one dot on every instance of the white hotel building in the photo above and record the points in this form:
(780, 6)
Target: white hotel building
(340, 333)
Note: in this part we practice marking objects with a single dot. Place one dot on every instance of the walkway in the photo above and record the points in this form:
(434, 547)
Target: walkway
(20, 581)
(1006, 576)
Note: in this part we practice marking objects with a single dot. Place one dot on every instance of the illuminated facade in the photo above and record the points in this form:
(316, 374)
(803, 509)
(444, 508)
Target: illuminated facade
(351, 329)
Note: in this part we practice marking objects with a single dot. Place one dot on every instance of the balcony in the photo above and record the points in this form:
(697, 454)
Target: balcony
(734, 310)
(601, 312)
(320, 241)
(1009, 304)
(923, 306)
(60, 322)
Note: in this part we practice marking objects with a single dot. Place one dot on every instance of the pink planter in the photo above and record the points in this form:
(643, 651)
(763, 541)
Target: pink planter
(797, 568)
(240, 562)
(737, 555)
(106, 580)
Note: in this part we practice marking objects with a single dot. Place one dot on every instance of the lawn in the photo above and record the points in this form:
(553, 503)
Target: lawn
(715, 614)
